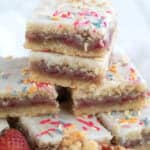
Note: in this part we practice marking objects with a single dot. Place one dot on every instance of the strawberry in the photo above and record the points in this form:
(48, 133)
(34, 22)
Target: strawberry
(12, 139)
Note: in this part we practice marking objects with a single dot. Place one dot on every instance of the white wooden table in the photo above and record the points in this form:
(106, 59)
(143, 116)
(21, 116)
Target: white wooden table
(134, 29)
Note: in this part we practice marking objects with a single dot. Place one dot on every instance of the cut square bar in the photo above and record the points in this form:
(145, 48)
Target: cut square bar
(47, 132)
(123, 88)
(67, 71)
(130, 128)
(78, 28)
(19, 96)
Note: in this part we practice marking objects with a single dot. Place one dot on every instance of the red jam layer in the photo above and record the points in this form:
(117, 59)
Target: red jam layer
(74, 41)
(27, 101)
(63, 71)
(108, 101)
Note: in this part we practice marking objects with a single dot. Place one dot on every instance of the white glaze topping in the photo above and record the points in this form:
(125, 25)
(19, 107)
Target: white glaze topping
(128, 125)
(14, 79)
(96, 17)
(49, 129)
(122, 78)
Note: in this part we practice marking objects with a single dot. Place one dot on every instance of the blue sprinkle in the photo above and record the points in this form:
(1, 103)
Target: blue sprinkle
(134, 113)
(97, 24)
(24, 89)
(146, 121)
(113, 113)
(109, 76)
(59, 131)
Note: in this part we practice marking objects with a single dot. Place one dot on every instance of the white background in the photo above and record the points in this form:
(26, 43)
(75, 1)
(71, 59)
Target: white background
(134, 29)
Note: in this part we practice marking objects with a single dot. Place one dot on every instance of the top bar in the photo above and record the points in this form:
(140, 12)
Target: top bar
(72, 27)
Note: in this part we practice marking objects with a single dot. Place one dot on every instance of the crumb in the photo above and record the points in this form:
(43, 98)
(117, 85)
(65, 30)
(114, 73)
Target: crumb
(77, 140)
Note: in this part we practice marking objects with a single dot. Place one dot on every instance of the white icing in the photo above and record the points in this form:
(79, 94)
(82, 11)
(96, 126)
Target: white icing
(128, 125)
(121, 77)
(43, 16)
(94, 132)
(125, 131)
(12, 78)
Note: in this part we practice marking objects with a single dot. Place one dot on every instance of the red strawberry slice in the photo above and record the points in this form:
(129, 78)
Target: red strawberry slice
(12, 139)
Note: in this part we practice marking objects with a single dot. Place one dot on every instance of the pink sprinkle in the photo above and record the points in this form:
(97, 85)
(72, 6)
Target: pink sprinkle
(105, 23)
(86, 22)
(141, 123)
(97, 128)
(56, 13)
(90, 13)
(93, 13)
(45, 121)
(46, 132)
(103, 17)
(66, 125)
(76, 23)
(66, 15)
(51, 129)
(55, 123)
(132, 70)
(41, 84)
(90, 116)
(84, 128)
(126, 126)
(108, 11)
(84, 13)
(88, 123)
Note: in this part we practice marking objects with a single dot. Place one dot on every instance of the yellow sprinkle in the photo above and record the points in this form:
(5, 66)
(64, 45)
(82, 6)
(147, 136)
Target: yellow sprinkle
(55, 18)
(32, 89)
(131, 120)
(26, 81)
(113, 68)
(123, 121)
(132, 76)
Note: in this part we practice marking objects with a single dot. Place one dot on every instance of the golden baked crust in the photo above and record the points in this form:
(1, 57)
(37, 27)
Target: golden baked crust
(43, 109)
(135, 105)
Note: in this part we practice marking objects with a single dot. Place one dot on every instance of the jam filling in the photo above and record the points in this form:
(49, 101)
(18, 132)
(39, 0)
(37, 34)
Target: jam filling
(73, 41)
(59, 71)
(109, 100)
(130, 144)
(26, 101)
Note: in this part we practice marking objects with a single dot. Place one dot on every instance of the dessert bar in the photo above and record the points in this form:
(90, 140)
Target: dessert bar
(123, 88)
(20, 96)
(130, 128)
(72, 27)
(67, 71)
(47, 132)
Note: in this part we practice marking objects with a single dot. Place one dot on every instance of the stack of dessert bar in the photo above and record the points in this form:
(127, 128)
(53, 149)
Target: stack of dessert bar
(72, 46)
(71, 42)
